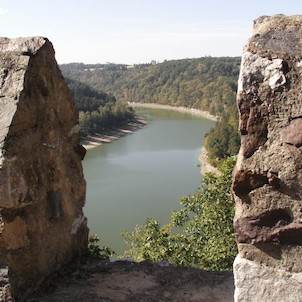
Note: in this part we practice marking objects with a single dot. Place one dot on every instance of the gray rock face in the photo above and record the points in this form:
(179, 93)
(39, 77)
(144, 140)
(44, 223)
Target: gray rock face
(267, 180)
(42, 188)
(258, 282)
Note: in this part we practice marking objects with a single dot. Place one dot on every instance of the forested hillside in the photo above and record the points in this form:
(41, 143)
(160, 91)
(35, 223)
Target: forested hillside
(98, 110)
(205, 83)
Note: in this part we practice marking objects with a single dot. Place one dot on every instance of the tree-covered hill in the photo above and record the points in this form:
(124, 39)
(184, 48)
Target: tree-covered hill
(98, 110)
(205, 83)
(86, 98)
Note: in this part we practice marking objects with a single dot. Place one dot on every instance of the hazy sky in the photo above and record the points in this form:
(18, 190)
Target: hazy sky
(138, 31)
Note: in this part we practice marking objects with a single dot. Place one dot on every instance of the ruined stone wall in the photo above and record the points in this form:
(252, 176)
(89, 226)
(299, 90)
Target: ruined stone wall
(42, 189)
(268, 175)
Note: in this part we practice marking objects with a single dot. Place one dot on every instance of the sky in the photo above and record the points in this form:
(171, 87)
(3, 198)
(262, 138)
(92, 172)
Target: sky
(139, 31)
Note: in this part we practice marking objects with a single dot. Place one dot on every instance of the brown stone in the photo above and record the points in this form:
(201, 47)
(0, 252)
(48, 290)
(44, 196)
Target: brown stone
(292, 134)
(124, 281)
(80, 149)
(42, 188)
(273, 226)
(14, 235)
(267, 180)
(246, 181)
(273, 179)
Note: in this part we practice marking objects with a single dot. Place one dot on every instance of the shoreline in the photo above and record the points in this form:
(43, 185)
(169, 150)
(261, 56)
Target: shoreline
(192, 111)
(205, 166)
(110, 135)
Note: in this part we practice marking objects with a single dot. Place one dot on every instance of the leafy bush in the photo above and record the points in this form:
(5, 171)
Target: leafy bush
(203, 235)
(95, 250)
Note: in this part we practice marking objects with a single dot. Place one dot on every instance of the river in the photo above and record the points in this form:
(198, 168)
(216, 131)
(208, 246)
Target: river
(143, 174)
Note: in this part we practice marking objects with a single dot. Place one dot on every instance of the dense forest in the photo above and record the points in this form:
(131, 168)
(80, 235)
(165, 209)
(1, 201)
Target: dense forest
(205, 83)
(98, 110)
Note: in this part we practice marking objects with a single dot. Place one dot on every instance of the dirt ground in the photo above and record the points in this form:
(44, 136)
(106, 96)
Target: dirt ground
(99, 280)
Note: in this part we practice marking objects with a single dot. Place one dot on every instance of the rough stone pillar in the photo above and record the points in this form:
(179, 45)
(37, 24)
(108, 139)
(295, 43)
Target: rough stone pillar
(268, 175)
(42, 188)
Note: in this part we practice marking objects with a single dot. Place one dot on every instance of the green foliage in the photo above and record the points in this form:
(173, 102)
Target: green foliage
(95, 250)
(87, 98)
(108, 116)
(98, 111)
(205, 83)
(223, 140)
(200, 234)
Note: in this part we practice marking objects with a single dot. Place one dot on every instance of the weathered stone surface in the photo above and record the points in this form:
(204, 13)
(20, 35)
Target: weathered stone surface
(42, 189)
(20, 239)
(123, 281)
(292, 134)
(5, 291)
(260, 283)
(268, 175)
(246, 181)
(277, 36)
(274, 226)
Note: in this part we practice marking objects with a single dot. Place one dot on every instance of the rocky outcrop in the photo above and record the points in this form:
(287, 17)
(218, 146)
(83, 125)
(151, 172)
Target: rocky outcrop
(42, 189)
(267, 181)
(94, 280)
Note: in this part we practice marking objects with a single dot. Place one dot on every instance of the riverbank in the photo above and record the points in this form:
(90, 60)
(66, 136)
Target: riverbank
(205, 166)
(110, 135)
(193, 111)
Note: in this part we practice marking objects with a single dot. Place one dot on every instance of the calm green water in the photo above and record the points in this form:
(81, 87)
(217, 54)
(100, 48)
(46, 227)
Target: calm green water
(143, 174)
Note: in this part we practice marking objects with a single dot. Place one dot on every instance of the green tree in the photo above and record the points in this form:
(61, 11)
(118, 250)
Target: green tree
(223, 140)
(98, 110)
(200, 234)
(95, 250)
(203, 83)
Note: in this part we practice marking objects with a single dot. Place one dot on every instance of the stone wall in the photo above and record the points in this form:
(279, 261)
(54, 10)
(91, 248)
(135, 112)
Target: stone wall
(42, 188)
(268, 175)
